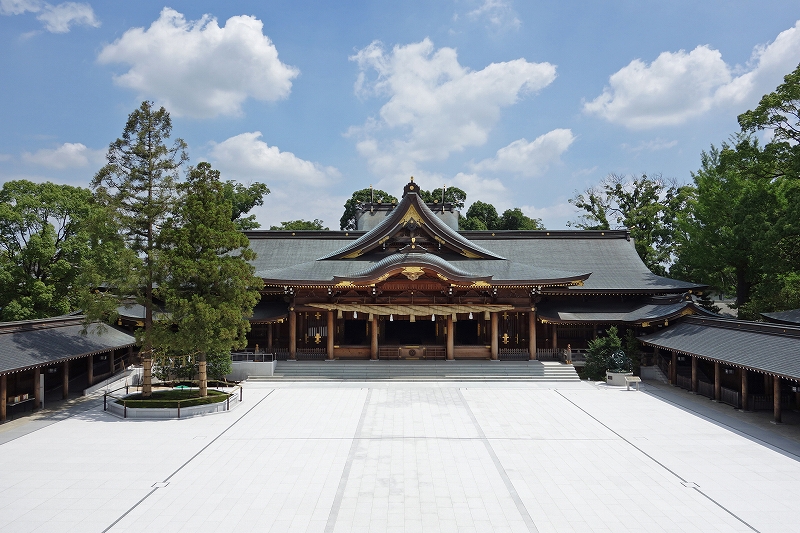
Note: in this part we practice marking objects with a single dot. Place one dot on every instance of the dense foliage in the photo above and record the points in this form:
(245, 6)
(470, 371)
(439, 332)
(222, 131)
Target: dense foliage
(604, 354)
(293, 225)
(649, 207)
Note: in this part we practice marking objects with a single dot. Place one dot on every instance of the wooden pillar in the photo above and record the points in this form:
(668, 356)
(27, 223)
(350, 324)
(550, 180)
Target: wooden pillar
(450, 338)
(292, 335)
(532, 334)
(555, 336)
(269, 337)
(694, 374)
(717, 381)
(674, 369)
(65, 377)
(373, 345)
(37, 396)
(330, 331)
(3, 397)
(745, 391)
(495, 337)
(90, 369)
(776, 398)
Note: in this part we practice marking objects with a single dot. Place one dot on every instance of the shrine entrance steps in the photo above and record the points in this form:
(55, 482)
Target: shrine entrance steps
(421, 371)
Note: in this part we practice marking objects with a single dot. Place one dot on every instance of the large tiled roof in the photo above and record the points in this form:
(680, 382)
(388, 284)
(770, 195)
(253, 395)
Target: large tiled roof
(609, 257)
(33, 343)
(784, 317)
(628, 312)
(756, 346)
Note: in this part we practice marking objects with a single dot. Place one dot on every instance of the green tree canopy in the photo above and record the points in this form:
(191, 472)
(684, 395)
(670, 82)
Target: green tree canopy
(138, 185)
(45, 236)
(648, 206)
(600, 356)
(211, 288)
(481, 216)
(516, 219)
(452, 195)
(348, 220)
(243, 199)
(293, 225)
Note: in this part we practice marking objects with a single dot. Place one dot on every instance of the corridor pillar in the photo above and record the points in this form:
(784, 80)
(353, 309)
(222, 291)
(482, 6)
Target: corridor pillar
(694, 374)
(90, 369)
(776, 399)
(532, 334)
(330, 337)
(717, 382)
(495, 340)
(450, 341)
(373, 345)
(292, 335)
(745, 391)
(37, 391)
(65, 377)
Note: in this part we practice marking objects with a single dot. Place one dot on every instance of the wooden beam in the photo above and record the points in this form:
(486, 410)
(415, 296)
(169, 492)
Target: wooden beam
(673, 378)
(745, 390)
(450, 338)
(555, 336)
(90, 367)
(269, 337)
(3, 397)
(495, 336)
(37, 393)
(373, 345)
(776, 399)
(532, 334)
(292, 335)
(717, 381)
(694, 374)
(330, 331)
(65, 377)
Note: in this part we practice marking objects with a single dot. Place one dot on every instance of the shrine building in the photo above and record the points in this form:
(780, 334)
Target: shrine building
(409, 285)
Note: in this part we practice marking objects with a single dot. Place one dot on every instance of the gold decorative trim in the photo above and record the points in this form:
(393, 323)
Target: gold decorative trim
(480, 284)
(353, 254)
(469, 254)
(411, 215)
(413, 273)
(345, 284)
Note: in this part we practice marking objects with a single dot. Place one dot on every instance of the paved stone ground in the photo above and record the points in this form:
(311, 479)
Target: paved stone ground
(404, 457)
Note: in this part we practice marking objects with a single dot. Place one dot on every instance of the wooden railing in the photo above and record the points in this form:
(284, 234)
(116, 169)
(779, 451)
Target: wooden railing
(706, 389)
(513, 354)
(731, 397)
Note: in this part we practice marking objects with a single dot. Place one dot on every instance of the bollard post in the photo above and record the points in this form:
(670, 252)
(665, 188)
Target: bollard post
(179, 408)
(105, 401)
(229, 402)
(125, 408)
(240, 393)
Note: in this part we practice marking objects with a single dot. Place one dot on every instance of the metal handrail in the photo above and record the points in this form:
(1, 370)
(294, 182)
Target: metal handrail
(125, 400)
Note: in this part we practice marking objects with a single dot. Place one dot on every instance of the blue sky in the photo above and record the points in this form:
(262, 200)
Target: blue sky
(519, 103)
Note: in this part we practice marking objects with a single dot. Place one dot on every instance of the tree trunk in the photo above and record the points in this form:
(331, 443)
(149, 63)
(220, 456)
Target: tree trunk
(203, 375)
(742, 286)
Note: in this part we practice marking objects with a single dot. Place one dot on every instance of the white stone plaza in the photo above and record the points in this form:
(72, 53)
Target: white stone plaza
(390, 456)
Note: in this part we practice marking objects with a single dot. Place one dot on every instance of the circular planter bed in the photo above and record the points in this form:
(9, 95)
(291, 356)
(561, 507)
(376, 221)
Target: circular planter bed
(171, 399)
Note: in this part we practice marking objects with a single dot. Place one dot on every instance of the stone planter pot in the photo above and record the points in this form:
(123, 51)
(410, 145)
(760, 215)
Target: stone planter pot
(617, 379)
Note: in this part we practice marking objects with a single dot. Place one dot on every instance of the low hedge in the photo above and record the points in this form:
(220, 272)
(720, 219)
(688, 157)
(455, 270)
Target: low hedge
(172, 399)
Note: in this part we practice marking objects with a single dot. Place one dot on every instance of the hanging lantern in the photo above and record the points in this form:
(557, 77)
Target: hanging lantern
(339, 314)
(412, 318)
(355, 314)
(391, 318)
(433, 318)
(470, 315)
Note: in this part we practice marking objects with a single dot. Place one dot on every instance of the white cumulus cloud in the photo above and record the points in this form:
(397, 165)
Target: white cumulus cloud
(59, 18)
(199, 69)
(247, 157)
(68, 155)
(529, 158)
(434, 105)
(678, 86)
(499, 13)
(55, 18)
(490, 191)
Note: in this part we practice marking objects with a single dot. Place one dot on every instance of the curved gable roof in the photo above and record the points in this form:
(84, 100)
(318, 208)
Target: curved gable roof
(412, 211)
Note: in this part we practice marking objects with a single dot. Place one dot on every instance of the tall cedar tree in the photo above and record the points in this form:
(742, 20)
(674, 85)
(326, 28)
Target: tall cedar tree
(138, 184)
(211, 290)
(44, 240)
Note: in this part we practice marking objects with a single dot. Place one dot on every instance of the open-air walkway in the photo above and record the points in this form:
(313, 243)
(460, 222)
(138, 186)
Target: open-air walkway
(394, 456)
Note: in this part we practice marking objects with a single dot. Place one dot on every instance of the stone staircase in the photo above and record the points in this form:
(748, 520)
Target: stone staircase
(540, 371)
